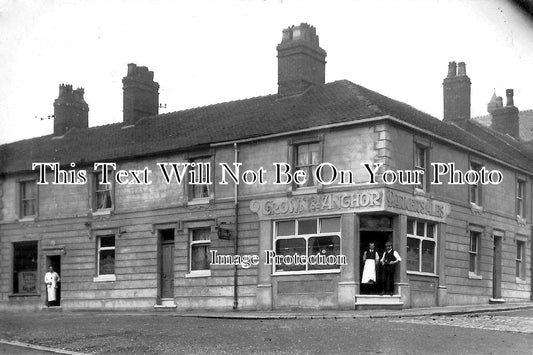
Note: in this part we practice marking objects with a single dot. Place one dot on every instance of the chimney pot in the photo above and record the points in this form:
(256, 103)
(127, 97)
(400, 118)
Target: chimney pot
(141, 94)
(510, 94)
(461, 68)
(70, 110)
(452, 69)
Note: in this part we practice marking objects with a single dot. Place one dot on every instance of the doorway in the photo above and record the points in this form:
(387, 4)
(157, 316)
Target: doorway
(379, 238)
(497, 268)
(55, 262)
(166, 262)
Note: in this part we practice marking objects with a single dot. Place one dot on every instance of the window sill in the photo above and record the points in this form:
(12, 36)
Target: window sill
(420, 192)
(311, 272)
(199, 201)
(14, 295)
(198, 273)
(105, 212)
(27, 219)
(473, 276)
(521, 281)
(305, 190)
(418, 273)
(521, 221)
(476, 209)
(105, 278)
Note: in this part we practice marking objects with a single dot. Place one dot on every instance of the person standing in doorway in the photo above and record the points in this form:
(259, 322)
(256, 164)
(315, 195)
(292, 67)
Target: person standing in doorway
(51, 279)
(370, 259)
(388, 261)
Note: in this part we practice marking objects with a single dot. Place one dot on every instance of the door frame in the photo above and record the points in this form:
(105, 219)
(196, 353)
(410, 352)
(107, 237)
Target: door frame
(157, 230)
(497, 264)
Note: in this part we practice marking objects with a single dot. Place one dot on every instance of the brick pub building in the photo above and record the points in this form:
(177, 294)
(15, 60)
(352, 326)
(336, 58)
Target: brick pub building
(126, 246)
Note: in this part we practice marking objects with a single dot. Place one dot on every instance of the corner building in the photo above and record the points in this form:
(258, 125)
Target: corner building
(145, 246)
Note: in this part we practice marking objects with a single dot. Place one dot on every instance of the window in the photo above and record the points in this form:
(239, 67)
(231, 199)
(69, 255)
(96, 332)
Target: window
(28, 198)
(475, 190)
(200, 250)
(520, 198)
(25, 261)
(421, 246)
(318, 239)
(307, 159)
(421, 164)
(102, 194)
(520, 257)
(475, 238)
(199, 189)
(106, 258)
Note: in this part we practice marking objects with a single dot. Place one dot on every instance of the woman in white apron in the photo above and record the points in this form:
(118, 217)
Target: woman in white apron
(51, 278)
(370, 258)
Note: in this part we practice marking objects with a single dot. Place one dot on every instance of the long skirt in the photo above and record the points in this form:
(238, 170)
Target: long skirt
(369, 271)
(51, 292)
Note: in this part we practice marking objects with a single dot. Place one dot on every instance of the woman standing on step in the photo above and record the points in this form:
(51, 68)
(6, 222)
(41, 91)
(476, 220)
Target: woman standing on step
(370, 259)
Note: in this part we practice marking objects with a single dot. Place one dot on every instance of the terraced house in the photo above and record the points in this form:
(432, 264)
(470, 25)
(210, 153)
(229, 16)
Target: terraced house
(135, 241)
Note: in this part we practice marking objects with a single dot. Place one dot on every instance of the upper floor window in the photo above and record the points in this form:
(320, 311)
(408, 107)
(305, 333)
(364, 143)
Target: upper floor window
(475, 189)
(102, 194)
(307, 159)
(421, 159)
(28, 198)
(199, 176)
(520, 198)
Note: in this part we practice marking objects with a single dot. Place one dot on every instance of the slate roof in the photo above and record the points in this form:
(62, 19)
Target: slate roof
(336, 102)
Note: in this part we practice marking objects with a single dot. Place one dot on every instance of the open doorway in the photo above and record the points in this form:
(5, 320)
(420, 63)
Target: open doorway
(379, 238)
(55, 262)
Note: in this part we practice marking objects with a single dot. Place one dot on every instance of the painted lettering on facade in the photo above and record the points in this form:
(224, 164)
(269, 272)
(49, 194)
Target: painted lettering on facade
(319, 203)
(418, 205)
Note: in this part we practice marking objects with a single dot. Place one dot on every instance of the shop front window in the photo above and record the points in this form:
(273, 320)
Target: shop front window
(312, 244)
(421, 246)
(25, 260)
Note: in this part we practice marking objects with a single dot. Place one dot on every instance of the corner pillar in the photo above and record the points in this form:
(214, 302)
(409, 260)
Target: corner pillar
(264, 279)
(348, 285)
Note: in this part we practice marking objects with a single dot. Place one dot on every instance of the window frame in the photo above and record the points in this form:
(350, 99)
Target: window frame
(209, 157)
(306, 237)
(477, 188)
(520, 270)
(520, 198)
(202, 272)
(474, 232)
(421, 239)
(420, 143)
(294, 144)
(20, 200)
(15, 292)
(93, 193)
(99, 248)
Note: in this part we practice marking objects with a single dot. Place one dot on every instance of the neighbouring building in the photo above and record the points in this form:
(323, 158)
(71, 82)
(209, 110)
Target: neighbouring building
(142, 245)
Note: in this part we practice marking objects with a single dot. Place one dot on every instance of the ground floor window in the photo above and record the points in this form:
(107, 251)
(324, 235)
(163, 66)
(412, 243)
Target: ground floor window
(106, 255)
(25, 261)
(474, 252)
(307, 244)
(200, 248)
(421, 246)
(520, 257)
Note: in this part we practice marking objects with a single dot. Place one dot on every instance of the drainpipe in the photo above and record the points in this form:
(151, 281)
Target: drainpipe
(236, 238)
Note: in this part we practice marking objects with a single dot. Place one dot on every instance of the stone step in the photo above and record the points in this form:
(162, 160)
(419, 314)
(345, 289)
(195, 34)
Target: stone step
(378, 302)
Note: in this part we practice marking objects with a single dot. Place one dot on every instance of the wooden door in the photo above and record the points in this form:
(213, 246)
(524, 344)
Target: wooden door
(167, 271)
(497, 268)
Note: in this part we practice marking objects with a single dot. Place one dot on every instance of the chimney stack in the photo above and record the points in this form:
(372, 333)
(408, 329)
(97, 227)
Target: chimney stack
(301, 61)
(456, 93)
(141, 94)
(70, 110)
(505, 119)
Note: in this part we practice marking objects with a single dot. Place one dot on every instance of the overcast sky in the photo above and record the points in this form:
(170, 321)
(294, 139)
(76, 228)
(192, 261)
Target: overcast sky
(205, 52)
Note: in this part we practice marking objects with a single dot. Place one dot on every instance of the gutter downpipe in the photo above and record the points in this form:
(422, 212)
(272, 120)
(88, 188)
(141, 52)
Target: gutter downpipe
(236, 238)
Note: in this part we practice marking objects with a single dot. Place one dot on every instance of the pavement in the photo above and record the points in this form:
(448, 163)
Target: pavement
(380, 313)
